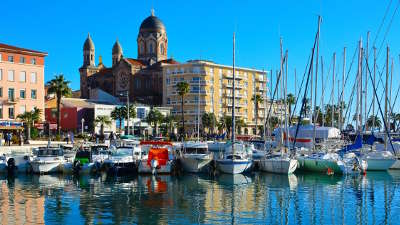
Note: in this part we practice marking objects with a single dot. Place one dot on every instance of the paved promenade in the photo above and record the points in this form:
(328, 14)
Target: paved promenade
(26, 148)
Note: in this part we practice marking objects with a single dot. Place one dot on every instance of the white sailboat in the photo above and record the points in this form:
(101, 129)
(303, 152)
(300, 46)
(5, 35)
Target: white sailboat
(234, 162)
(280, 163)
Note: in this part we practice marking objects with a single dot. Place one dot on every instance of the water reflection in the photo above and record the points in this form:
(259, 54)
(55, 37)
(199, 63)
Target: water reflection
(199, 199)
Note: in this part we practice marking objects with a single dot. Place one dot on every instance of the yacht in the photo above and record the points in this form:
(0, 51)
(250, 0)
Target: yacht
(156, 157)
(48, 160)
(120, 161)
(235, 159)
(195, 156)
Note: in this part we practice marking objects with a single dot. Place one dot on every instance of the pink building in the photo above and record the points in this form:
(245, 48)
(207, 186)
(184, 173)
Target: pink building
(21, 81)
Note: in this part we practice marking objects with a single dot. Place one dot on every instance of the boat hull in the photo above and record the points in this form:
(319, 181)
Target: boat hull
(144, 168)
(396, 165)
(281, 166)
(318, 165)
(380, 164)
(195, 164)
(46, 167)
(236, 166)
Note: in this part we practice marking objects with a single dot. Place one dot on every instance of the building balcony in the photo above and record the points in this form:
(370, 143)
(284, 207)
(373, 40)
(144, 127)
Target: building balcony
(237, 76)
(230, 85)
(237, 95)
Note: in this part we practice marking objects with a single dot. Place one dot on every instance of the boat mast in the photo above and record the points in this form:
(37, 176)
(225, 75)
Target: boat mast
(386, 91)
(286, 105)
(366, 84)
(322, 92)
(358, 87)
(341, 102)
(280, 83)
(333, 92)
(390, 96)
(233, 101)
(373, 97)
(316, 82)
(198, 112)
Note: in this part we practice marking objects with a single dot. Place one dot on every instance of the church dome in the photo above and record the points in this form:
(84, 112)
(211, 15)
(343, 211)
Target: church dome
(117, 48)
(152, 24)
(88, 45)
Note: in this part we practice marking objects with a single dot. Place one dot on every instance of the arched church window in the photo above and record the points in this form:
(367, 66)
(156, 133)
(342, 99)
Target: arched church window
(151, 48)
(141, 46)
(162, 48)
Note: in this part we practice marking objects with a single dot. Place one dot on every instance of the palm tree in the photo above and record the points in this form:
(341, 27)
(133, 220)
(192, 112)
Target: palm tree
(59, 87)
(103, 121)
(182, 89)
(118, 114)
(378, 123)
(291, 100)
(208, 120)
(257, 100)
(155, 117)
(169, 122)
(29, 118)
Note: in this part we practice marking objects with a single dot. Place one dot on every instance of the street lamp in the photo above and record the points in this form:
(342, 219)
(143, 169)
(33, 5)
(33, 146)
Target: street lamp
(127, 102)
(82, 122)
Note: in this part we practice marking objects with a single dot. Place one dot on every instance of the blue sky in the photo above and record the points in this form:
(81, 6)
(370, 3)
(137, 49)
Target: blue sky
(198, 29)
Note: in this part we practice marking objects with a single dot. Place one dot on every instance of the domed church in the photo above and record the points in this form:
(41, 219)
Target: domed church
(141, 77)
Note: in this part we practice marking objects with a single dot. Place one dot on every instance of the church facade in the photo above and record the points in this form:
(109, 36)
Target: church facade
(140, 78)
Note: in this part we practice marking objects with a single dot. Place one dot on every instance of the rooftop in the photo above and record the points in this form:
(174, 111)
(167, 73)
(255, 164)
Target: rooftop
(14, 49)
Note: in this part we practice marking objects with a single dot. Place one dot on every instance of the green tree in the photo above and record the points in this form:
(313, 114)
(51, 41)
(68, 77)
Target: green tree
(291, 100)
(378, 122)
(182, 89)
(29, 118)
(118, 114)
(102, 121)
(169, 122)
(60, 87)
(257, 99)
(209, 121)
(155, 117)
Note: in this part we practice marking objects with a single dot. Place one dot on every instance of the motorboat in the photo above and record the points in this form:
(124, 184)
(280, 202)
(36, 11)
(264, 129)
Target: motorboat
(236, 159)
(3, 164)
(195, 156)
(156, 157)
(48, 160)
(15, 163)
(120, 161)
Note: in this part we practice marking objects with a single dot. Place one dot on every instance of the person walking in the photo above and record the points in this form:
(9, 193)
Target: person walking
(9, 137)
(68, 137)
(6, 139)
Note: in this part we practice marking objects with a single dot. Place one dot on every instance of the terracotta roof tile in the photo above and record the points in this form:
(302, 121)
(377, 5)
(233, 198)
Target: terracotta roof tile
(11, 48)
(135, 62)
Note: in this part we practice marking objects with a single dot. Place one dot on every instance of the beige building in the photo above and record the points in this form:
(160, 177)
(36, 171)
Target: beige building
(216, 92)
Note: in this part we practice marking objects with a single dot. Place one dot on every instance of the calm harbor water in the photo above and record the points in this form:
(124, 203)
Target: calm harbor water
(259, 198)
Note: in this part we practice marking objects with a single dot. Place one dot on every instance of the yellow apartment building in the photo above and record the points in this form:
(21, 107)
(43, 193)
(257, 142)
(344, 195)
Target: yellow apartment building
(212, 84)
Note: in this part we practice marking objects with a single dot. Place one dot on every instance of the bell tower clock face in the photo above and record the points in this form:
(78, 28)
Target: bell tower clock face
(123, 80)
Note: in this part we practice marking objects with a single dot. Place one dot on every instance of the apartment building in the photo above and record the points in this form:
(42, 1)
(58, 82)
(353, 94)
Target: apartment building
(21, 81)
(211, 90)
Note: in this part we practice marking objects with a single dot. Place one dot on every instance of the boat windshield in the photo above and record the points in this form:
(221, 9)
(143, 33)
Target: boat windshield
(233, 157)
(122, 152)
(82, 154)
(50, 152)
(196, 150)
(99, 149)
